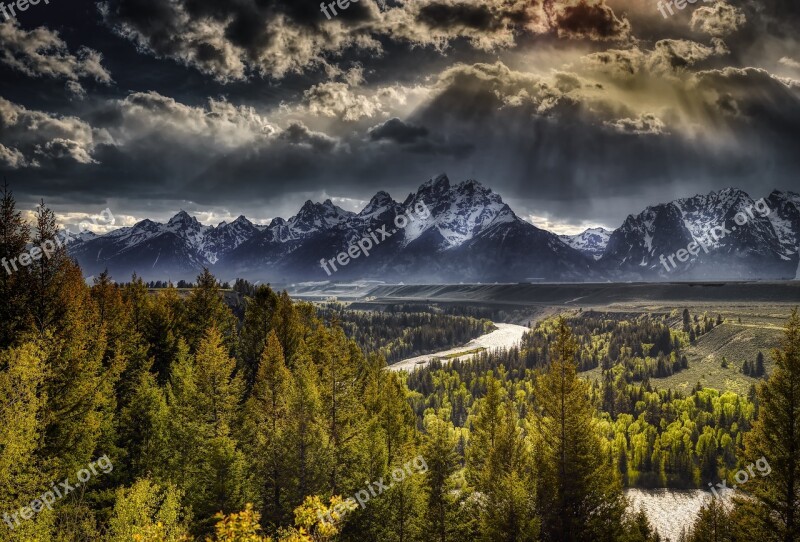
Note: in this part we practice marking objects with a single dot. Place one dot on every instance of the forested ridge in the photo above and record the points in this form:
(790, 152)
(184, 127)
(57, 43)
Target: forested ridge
(638, 345)
(400, 335)
(256, 428)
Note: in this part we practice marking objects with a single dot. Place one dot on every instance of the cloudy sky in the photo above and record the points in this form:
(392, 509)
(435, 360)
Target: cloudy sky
(578, 112)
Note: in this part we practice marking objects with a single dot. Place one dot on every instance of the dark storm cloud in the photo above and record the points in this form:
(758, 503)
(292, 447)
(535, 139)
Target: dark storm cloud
(576, 109)
(273, 38)
(35, 139)
(398, 131)
(299, 134)
(229, 40)
(445, 16)
(623, 150)
(418, 139)
(596, 21)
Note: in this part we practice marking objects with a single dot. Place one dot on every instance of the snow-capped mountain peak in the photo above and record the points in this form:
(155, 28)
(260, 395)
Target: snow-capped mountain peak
(458, 212)
(378, 204)
(591, 242)
(315, 217)
(463, 232)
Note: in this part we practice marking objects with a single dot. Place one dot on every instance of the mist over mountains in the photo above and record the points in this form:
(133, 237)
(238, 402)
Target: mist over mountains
(471, 235)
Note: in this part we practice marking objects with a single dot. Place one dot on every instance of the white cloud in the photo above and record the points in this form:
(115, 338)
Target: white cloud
(643, 124)
(36, 134)
(12, 157)
(790, 62)
(718, 20)
(219, 125)
(42, 53)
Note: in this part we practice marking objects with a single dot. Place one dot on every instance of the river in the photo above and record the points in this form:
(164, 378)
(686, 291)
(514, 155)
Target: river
(669, 510)
(505, 336)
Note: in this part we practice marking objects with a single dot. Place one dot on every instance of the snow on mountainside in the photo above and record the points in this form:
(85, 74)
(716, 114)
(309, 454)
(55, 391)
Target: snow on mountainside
(316, 217)
(457, 212)
(461, 232)
(749, 248)
(592, 242)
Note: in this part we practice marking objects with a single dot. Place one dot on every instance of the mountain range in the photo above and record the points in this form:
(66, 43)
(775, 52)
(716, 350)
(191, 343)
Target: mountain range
(467, 234)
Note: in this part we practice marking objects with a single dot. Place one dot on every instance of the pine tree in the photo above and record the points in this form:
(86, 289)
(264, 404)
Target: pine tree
(485, 427)
(498, 467)
(144, 431)
(138, 301)
(713, 524)
(79, 415)
(579, 492)
(46, 273)
(439, 449)
(206, 308)
(286, 324)
(775, 438)
(759, 370)
(340, 362)
(267, 427)
(203, 399)
(258, 321)
(14, 235)
(164, 324)
(306, 434)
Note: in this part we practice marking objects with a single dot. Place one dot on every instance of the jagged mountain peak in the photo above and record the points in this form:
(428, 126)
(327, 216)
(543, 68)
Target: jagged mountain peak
(326, 208)
(464, 231)
(458, 213)
(592, 241)
(316, 217)
(435, 186)
(240, 220)
(182, 218)
(747, 242)
(379, 203)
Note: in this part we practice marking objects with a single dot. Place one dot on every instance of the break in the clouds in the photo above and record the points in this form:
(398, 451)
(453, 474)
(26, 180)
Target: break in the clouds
(580, 111)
